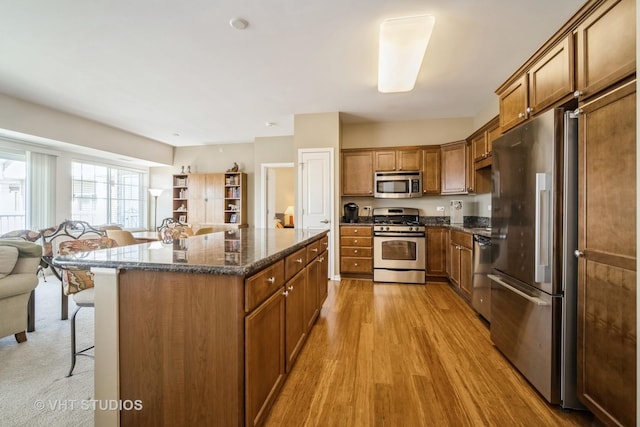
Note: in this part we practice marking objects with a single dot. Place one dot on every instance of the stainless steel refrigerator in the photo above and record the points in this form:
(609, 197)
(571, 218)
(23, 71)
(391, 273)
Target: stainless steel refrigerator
(534, 235)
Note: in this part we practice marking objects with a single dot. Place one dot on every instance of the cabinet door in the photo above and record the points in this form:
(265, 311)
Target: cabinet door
(264, 358)
(479, 146)
(454, 168)
(357, 173)
(606, 45)
(431, 179)
(607, 286)
(454, 275)
(409, 160)
(493, 133)
(436, 251)
(311, 292)
(295, 324)
(385, 161)
(513, 104)
(323, 279)
(197, 198)
(215, 204)
(551, 77)
(466, 271)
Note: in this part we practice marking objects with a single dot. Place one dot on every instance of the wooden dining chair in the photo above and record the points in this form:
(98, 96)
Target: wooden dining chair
(123, 237)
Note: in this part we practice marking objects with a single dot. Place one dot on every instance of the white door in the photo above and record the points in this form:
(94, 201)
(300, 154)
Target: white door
(315, 192)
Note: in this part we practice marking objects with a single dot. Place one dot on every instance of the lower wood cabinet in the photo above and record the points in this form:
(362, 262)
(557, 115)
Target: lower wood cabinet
(436, 261)
(356, 249)
(264, 357)
(461, 261)
(276, 326)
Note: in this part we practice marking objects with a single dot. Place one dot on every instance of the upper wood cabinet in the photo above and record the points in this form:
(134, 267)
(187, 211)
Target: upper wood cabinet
(482, 141)
(606, 46)
(401, 160)
(454, 168)
(357, 173)
(547, 81)
(431, 180)
(206, 198)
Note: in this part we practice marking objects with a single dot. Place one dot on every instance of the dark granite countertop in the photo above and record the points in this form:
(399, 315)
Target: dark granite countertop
(236, 252)
(473, 225)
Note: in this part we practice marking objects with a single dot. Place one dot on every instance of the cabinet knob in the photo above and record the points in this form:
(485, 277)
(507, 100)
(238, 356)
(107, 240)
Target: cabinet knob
(271, 279)
(578, 253)
(355, 251)
(577, 94)
(355, 241)
(355, 230)
(529, 110)
(355, 264)
(521, 115)
(578, 111)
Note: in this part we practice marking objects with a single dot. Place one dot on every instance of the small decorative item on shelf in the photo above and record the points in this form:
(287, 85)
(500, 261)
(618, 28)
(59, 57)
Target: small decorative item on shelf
(182, 170)
(233, 218)
(182, 218)
(234, 168)
(189, 169)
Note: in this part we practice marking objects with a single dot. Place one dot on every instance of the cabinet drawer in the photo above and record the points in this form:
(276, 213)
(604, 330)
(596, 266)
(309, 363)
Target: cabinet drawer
(356, 265)
(351, 251)
(461, 238)
(295, 262)
(348, 230)
(324, 243)
(261, 285)
(356, 241)
(313, 249)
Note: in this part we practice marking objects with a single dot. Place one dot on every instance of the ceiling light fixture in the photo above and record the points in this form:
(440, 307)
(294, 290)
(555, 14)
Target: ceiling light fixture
(403, 42)
(239, 23)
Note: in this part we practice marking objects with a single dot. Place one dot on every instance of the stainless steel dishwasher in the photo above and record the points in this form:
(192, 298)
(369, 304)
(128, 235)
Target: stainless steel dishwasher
(481, 292)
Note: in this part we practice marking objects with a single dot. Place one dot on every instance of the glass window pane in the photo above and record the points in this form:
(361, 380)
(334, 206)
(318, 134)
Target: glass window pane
(13, 172)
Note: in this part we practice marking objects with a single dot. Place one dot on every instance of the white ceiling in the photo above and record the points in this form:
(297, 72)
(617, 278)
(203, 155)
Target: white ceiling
(158, 68)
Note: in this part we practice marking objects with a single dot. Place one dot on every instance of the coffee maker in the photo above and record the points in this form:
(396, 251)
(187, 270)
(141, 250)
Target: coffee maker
(351, 212)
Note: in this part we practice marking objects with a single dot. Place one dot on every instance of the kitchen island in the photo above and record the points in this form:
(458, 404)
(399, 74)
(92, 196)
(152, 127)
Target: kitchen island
(204, 330)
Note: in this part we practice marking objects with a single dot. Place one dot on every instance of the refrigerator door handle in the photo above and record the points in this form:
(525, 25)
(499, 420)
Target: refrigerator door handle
(535, 300)
(543, 228)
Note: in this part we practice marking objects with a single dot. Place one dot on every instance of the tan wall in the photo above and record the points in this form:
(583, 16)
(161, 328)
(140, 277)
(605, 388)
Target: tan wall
(35, 120)
(413, 132)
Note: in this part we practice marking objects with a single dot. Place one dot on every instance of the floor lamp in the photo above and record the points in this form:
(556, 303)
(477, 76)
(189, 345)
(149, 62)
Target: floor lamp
(155, 192)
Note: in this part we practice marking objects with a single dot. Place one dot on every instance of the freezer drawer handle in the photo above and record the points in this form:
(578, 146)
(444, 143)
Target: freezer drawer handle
(535, 300)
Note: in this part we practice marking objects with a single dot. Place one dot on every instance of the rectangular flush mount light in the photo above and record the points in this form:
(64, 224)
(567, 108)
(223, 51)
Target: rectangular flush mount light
(403, 42)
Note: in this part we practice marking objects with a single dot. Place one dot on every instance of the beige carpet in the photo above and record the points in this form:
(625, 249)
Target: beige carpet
(34, 389)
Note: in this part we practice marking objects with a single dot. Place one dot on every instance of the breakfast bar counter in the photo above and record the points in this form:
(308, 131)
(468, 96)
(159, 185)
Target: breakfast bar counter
(192, 332)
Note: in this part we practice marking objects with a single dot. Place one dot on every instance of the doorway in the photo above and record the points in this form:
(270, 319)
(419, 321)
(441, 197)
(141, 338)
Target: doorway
(277, 195)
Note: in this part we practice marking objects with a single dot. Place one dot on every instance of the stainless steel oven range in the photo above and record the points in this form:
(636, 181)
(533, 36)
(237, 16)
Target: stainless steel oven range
(398, 246)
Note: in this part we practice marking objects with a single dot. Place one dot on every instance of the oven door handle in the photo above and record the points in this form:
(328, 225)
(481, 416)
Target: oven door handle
(535, 300)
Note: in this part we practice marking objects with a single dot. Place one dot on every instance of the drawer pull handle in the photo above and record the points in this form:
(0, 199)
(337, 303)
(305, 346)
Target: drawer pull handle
(290, 288)
(285, 293)
(299, 260)
(271, 279)
(314, 249)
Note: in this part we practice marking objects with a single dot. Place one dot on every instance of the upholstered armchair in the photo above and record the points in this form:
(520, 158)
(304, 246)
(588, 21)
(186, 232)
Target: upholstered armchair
(19, 262)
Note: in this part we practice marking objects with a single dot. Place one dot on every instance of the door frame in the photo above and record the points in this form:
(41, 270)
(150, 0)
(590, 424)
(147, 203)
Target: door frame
(264, 167)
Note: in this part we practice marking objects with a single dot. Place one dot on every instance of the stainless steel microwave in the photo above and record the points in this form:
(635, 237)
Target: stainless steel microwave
(397, 185)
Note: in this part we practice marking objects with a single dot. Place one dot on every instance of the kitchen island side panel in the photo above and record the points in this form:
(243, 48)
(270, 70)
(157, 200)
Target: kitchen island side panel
(181, 348)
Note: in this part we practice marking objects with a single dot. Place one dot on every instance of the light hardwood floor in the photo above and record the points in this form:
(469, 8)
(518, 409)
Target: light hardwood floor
(407, 355)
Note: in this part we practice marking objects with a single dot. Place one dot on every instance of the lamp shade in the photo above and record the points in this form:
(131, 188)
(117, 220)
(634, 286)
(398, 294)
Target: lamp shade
(288, 215)
(155, 192)
(403, 42)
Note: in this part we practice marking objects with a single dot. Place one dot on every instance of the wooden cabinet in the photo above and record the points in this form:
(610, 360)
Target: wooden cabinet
(482, 143)
(264, 358)
(282, 303)
(431, 179)
(461, 252)
(607, 283)
(398, 160)
(357, 173)
(206, 198)
(180, 208)
(235, 198)
(295, 324)
(356, 249)
(606, 46)
(436, 261)
(454, 168)
(549, 79)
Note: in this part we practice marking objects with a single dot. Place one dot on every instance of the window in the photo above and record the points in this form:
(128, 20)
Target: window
(107, 195)
(13, 172)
